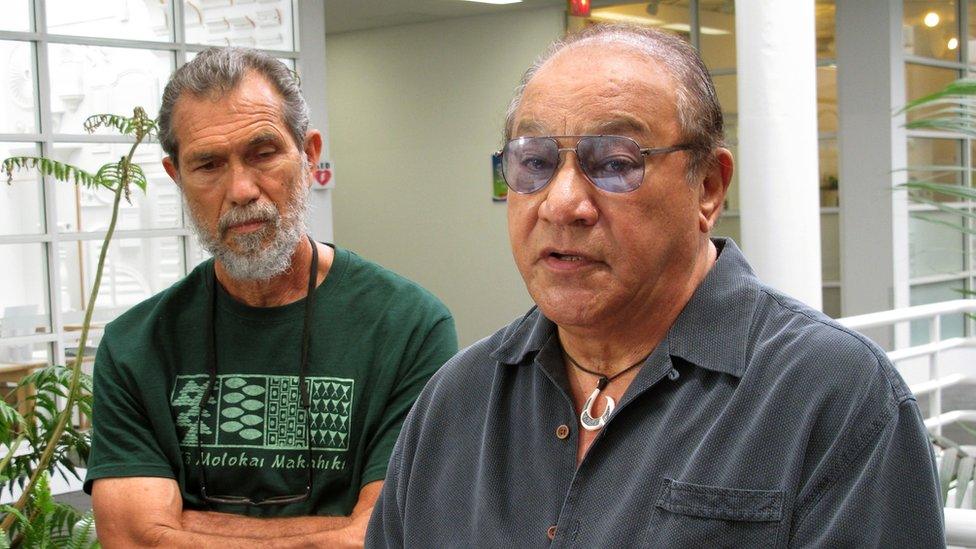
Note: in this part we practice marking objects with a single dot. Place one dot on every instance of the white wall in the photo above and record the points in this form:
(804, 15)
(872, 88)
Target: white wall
(415, 112)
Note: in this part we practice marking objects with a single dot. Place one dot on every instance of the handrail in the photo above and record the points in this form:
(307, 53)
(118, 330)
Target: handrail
(884, 318)
(960, 524)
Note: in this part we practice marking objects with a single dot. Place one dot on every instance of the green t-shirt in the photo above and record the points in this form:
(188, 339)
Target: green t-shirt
(376, 338)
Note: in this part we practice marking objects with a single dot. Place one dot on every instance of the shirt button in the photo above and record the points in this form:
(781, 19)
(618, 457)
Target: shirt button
(562, 432)
(673, 374)
(551, 532)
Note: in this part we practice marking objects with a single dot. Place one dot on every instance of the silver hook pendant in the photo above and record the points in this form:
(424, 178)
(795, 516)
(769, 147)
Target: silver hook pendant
(590, 423)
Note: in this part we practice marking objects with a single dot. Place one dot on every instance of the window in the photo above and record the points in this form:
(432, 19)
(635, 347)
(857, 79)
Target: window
(941, 260)
(712, 31)
(64, 60)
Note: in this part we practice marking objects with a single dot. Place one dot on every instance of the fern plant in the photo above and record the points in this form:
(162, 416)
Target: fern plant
(45, 438)
(952, 111)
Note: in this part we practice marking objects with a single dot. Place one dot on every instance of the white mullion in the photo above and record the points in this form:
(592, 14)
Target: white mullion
(41, 238)
(22, 137)
(932, 62)
(121, 234)
(296, 38)
(110, 42)
(179, 37)
(28, 340)
(18, 35)
(89, 138)
(43, 77)
(939, 278)
(694, 34)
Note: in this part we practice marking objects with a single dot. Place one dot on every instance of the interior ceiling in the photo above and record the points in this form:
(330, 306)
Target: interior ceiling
(351, 15)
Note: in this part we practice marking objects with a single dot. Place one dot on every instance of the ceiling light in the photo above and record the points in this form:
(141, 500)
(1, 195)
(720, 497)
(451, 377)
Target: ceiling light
(684, 27)
(495, 1)
(931, 19)
(624, 18)
(953, 43)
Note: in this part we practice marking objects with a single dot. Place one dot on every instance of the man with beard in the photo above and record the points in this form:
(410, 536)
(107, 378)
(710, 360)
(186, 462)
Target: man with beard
(256, 401)
(659, 395)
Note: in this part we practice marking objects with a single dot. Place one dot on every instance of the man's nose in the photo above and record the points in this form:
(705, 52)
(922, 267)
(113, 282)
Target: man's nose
(569, 195)
(243, 186)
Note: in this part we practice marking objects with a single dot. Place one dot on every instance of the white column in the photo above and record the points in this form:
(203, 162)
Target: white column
(872, 154)
(311, 44)
(778, 173)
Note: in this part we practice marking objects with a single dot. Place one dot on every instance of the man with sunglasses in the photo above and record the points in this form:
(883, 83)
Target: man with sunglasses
(254, 403)
(659, 395)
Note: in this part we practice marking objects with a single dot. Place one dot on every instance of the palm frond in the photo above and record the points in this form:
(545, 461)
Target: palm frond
(52, 168)
(964, 87)
(11, 422)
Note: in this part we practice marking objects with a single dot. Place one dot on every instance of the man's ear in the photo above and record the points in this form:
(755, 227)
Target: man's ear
(171, 169)
(313, 147)
(714, 186)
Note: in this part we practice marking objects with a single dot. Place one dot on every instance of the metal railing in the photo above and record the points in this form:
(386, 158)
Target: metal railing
(936, 382)
(960, 524)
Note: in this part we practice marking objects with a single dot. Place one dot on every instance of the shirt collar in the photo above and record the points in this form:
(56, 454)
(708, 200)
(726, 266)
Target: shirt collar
(712, 330)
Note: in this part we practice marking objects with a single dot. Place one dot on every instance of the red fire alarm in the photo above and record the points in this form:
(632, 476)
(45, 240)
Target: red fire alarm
(579, 8)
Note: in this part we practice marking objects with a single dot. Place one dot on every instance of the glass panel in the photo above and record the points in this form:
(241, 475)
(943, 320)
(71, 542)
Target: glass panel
(670, 16)
(829, 183)
(22, 202)
(732, 195)
(971, 34)
(931, 29)
(831, 302)
(16, 15)
(725, 88)
(142, 20)
(921, 80)
(31, 355)
(933, 247)
(88, 80)
(826, 15)
(827, 99)
(290, 63)
(83, 209)
(23, 295)
(926, 155)
(19, 111)
(135, 269)
(266, 24)
(952, 325)
(716, 22)
(830, 246)
(195, 255)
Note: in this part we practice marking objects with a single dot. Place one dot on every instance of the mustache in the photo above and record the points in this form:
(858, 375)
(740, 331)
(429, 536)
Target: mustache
(255, 211)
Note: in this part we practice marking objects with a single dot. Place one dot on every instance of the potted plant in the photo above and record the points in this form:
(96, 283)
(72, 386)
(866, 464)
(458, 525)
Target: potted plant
(44, 439)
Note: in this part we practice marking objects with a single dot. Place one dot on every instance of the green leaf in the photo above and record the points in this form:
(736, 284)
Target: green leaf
(963, 87)
(83, 533)
(11, 422)
(947, 471)
(51, 168)
(964, 473)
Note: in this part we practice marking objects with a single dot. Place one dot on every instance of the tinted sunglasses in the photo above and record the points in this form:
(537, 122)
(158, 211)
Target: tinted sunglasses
(613, 163)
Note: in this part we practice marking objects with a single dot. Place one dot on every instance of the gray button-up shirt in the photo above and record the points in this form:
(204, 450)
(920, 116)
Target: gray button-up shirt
(757, 422)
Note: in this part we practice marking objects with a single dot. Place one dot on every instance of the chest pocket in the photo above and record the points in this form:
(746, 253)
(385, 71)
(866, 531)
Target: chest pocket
(695, 515)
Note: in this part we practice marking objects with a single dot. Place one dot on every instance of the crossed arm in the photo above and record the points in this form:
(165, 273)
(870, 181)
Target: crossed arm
(148, 512)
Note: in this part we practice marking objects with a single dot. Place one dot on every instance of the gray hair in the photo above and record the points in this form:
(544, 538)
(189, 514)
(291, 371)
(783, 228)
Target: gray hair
(216, 71)
(699, 112)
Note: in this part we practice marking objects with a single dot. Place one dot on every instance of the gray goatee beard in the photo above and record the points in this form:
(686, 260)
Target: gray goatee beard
(262, 254)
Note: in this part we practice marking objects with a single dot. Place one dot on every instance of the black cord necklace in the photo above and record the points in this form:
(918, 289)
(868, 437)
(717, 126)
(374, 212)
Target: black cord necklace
(587, 421)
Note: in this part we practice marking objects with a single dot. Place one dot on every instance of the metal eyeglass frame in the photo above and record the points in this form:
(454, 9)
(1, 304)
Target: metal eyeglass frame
(644, 152)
